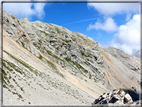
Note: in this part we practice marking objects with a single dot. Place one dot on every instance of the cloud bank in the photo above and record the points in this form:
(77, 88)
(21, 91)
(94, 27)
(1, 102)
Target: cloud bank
(114, 8)
(109, 25)
(25, 10)
(128, 36)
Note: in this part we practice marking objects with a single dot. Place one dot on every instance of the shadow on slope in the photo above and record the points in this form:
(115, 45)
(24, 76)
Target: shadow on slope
(134, 95)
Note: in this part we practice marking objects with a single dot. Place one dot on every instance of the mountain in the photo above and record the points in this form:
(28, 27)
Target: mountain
(47, 64)
(138, 54)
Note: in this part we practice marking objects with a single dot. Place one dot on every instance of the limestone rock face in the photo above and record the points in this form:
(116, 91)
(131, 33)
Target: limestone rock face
(61, 66)
(116, 97)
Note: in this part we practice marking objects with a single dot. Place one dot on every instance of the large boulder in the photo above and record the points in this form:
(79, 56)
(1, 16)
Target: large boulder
(115, 97)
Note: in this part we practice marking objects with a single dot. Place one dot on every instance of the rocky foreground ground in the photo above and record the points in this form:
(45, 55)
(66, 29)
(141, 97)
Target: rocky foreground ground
(118, 97)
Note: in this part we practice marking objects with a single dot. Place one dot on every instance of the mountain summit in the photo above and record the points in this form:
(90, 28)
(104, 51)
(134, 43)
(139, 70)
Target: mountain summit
(46, 64)
(138, 54)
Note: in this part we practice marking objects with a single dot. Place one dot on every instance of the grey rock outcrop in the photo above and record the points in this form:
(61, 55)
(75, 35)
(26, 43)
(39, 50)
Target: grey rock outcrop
(116, 97)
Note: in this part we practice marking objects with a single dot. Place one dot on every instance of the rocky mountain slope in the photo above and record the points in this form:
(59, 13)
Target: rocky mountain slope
(138, 54)
(45, 63)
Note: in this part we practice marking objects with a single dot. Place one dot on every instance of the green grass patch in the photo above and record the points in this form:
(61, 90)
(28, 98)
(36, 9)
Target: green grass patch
(54, 68)
(53, 55)
(40, 41)
(20, 61)
(58, 31)
(86, 54)
(23, 45)
(66, 36)
(10, 66)
(67, 41)
(40, 57)
(77, 65)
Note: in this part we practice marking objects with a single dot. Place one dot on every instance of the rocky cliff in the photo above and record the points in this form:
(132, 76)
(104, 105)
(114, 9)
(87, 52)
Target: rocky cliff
(138, 54)
(45, 63)
(117, 97)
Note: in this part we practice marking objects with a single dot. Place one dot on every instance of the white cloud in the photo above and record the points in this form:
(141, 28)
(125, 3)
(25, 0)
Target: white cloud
(109, 25)
(19, 9)
(113, 8)
(25, 10)
(39, 9)
(128, 36)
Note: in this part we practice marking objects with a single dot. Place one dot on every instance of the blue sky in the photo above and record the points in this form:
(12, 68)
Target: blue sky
(108, 24)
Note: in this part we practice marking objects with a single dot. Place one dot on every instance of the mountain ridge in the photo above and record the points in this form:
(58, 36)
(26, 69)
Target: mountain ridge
(60, 61)
(138, 54)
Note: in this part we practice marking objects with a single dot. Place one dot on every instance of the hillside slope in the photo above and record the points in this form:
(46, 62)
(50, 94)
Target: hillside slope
(45, 63)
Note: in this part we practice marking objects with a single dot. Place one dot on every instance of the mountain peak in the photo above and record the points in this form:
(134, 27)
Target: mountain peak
(138, 54)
